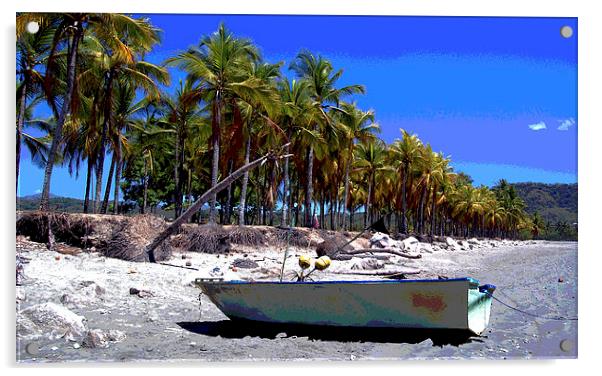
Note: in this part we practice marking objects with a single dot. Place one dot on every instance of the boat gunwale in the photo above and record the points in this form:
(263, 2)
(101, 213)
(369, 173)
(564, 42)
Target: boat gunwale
(211, 281)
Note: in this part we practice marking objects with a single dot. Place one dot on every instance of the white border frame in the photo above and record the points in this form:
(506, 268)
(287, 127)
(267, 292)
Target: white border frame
(589, 152)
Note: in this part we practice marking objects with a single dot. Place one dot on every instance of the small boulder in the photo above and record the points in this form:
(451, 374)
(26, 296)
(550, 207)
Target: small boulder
(58, 320)
(409, 244)
(426, 248)
(96, 338)
(452, 245)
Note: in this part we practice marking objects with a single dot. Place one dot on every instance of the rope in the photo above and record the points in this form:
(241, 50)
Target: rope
(556, 318)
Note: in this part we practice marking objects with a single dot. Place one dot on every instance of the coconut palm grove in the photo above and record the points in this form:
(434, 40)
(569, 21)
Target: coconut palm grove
(167, 141)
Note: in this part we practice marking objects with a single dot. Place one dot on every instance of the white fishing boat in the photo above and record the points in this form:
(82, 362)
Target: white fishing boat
(429, 304)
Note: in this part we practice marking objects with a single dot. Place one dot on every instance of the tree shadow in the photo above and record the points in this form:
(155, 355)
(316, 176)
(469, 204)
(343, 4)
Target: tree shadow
(244, 328)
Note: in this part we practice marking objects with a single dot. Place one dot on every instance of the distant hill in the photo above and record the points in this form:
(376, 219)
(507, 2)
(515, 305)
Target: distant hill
(63, 204)
(556, 203)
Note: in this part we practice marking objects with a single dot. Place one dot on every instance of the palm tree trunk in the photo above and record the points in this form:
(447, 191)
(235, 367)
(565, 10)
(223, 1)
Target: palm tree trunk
(177, 193)
(229, 195)
(433, 203)
(57, 134)
(88, 183)
(368, 204)
(20, 122)
(117, 177)
(105, 201)
(215, 160)
(309, 186)
(421, 218)
(346, 192)
(404, 227)
(145, 191)
(285, 195)
(245, 181)
(273, 193)
(103, 136)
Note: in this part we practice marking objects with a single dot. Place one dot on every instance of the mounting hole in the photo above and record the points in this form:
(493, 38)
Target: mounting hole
(32, 27)
(32, 348)
(566, 345)
(566, 31)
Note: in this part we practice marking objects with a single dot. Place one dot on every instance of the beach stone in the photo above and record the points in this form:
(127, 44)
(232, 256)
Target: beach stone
(115, 335)
(452, 245)
(380, 240)
(473, 241)
(26, 328)
(425, 247)
(409, 244)
(58, 320)
(96, 338)
(20, 295)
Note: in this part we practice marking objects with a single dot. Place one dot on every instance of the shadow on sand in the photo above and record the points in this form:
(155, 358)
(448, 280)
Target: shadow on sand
(243, 328)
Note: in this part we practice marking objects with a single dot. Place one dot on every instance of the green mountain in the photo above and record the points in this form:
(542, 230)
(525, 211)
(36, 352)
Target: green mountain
(62, 204)
(555, 203)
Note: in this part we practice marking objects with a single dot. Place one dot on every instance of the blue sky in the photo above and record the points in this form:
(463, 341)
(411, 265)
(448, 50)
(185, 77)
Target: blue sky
(498, 95)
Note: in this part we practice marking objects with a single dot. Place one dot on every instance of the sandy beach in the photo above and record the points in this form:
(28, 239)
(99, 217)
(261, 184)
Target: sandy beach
(139, 311)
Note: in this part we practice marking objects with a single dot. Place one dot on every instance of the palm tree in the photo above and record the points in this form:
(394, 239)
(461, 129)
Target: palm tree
(120, 59)
(183, 113)
(406, 153)
(220, 65)
(358, 126)
(321, 80)
(370, 158)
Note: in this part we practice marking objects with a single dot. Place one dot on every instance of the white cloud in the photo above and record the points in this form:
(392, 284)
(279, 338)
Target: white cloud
(538, 126)
(566, 124)
(38, 191)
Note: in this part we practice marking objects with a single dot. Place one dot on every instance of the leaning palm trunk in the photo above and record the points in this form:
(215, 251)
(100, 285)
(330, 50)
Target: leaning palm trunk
(20, 122)
(202, 200)
(117, 178)
(57, 134)
(245, 182)
(433, 203)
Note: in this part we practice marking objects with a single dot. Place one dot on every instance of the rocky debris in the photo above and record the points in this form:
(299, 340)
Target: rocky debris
(58, 320)
(141, 293)
(451, 244)
(26, 328)
(244, 263)
(426, 248)
(409, 244)
(21, 297)
(380, 240)
(96, 338)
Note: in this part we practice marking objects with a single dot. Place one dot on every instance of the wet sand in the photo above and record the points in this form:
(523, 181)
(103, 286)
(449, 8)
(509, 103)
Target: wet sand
(169, 326)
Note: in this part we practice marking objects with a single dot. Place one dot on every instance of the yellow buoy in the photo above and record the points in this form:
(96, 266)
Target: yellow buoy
(304, 262)
(322, 263)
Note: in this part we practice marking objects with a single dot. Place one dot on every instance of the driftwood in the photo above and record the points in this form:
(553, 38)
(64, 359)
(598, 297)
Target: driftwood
(159, 239)
(381, 250)
(408, 271)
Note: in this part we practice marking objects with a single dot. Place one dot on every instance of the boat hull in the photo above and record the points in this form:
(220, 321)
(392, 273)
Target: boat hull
(428, 304)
